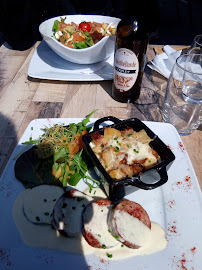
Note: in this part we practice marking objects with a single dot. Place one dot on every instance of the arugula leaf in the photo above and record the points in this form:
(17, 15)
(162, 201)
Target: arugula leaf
(88, 39)
(87, 34)
(63, 20)
(79, 127)
(73, 127)
(30, 142)
(87, 119)
(90, 186)
(64, 180)
(81, 169)
(55, 166)
(56, 24)
(81, 165)
(74, 179)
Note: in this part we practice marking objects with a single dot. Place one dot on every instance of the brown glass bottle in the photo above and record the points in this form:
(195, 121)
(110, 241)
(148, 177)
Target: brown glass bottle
(129, 59)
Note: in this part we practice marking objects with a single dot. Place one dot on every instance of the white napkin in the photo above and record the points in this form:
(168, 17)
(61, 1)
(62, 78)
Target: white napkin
(163, 63)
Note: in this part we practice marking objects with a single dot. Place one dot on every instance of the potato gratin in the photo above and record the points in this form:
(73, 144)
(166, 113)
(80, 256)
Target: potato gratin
(124, 153)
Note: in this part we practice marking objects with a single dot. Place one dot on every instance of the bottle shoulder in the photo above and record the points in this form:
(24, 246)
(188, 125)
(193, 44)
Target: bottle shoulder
(132, 28)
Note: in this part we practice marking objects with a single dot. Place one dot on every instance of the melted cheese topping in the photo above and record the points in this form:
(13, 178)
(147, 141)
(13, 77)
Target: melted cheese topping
(135, 150)
(121, 154)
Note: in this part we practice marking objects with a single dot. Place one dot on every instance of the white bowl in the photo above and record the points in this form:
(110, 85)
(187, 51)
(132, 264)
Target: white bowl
(98, 52)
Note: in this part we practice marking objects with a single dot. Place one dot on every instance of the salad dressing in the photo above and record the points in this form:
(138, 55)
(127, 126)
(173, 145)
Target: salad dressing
(44, 236)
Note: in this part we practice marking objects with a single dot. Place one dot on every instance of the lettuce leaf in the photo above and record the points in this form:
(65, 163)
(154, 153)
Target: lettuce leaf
(80, 45)
(55, 26)
(88, 42)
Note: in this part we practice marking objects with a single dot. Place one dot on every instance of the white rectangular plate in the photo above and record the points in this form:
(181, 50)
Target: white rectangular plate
(176, 206)
(46, 64)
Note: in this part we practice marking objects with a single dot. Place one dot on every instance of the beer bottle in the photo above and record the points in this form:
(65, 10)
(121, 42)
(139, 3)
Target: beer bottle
(129, 59)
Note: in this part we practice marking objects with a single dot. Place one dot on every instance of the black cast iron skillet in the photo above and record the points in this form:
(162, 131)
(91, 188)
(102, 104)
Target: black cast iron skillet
(116, 190)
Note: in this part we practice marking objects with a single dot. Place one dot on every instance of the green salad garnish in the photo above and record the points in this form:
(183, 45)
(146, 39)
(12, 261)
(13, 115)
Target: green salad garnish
(58, 157)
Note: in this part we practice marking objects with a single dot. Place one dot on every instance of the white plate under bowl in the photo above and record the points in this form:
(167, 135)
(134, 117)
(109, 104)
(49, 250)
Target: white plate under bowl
(176, 206)
(46, 64)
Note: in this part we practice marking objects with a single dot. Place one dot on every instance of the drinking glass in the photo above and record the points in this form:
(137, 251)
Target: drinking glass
(196, 46)
(183, 99)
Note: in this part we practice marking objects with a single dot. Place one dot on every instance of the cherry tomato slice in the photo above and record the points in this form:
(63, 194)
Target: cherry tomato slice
(84, 26)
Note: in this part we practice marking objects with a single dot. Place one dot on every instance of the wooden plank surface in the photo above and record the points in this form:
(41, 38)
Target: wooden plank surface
(23, 99)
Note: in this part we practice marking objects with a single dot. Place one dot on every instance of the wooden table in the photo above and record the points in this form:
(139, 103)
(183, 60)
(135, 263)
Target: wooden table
(23, 99)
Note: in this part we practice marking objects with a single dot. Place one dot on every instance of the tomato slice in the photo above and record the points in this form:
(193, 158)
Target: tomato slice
(84, 26)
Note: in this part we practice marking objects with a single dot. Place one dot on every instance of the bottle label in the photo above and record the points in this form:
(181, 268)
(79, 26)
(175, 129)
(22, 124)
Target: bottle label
(126, 68)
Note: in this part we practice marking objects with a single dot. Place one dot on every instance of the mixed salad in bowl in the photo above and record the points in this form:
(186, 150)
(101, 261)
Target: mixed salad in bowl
(82, 35)
(93, 36)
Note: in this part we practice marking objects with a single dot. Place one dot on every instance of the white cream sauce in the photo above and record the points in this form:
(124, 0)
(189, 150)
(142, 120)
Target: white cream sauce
(157, 243)
(43, 236)
(40, 201)
(126, 223)
(70, 216)
(96, 224)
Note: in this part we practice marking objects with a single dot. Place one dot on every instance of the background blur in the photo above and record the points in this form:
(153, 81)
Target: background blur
(179, 21)
(173, 21)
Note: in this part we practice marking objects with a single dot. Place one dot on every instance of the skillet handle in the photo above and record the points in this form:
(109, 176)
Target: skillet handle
(163, 179)
(103, 119)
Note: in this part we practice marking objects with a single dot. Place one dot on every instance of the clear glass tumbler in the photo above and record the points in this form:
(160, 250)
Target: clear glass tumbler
(196, 46)
(183, 98)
